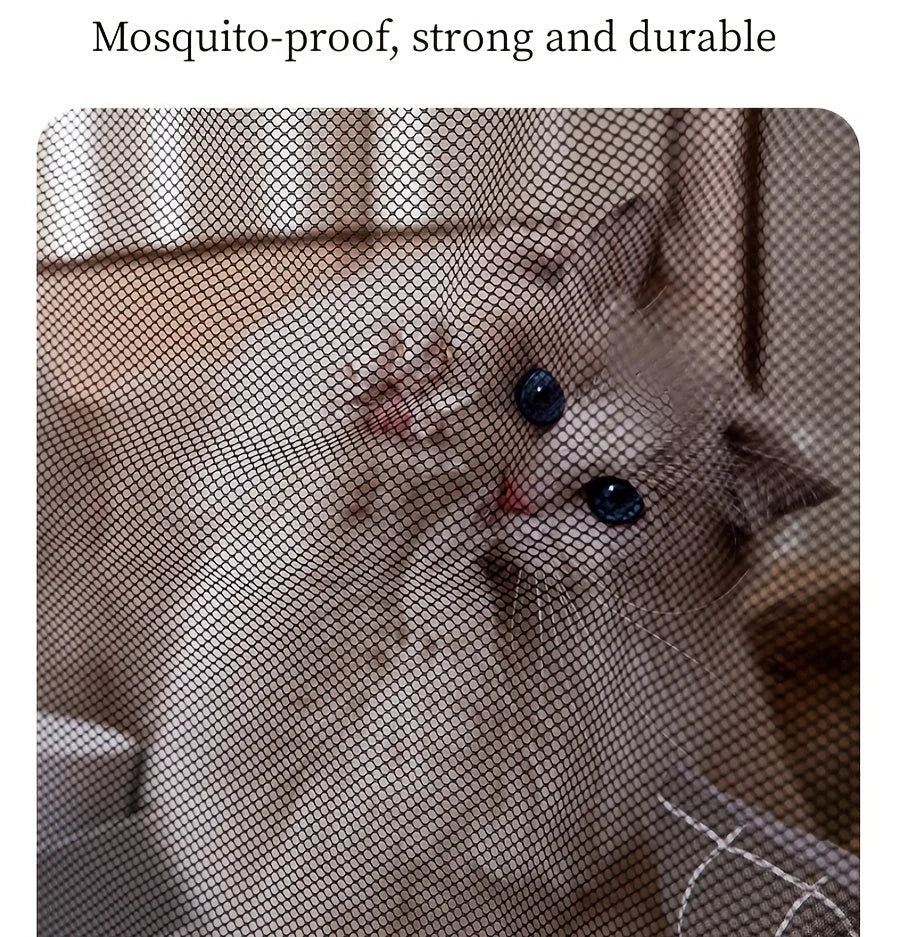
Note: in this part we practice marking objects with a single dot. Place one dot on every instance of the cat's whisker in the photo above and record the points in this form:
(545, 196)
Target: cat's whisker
(539, 676)
(707, 670)
(579, 620)
(514, 617)
(687, 755)
(540, 635)
(652, 302)
(660, 613)
(539, 684)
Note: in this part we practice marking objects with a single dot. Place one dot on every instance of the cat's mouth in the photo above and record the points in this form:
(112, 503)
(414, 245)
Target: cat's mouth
(501, 570)
(517, 573)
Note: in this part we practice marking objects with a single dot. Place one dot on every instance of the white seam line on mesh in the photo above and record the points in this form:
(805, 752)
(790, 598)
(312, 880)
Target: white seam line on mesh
(809, 889)
(794, 908)
(696, 824)
(721, 847)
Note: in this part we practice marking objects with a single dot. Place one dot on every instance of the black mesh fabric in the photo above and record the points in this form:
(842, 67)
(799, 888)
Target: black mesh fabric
(448, 523)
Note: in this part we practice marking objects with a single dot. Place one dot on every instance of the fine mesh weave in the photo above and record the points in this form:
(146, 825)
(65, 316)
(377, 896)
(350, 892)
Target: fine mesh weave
(339, 632)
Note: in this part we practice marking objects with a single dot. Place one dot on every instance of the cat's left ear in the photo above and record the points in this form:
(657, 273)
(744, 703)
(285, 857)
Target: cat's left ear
(768, 476)
(612, 257)
(617, 257)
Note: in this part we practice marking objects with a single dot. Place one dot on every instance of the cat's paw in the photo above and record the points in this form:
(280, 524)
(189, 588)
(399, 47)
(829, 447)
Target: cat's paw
(399, 388)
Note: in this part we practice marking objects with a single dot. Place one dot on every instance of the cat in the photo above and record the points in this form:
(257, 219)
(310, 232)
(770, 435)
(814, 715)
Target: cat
(556, 665)
(413, 636)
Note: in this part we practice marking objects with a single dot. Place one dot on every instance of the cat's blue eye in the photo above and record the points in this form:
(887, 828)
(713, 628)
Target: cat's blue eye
(614, 500)
(540, 398)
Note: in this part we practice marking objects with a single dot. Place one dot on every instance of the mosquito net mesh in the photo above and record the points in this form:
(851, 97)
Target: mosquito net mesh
(447, 523)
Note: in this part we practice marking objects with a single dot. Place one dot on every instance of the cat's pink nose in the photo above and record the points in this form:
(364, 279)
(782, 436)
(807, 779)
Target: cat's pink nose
(511, 499)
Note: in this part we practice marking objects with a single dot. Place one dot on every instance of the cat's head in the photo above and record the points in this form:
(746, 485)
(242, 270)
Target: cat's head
(621, 463)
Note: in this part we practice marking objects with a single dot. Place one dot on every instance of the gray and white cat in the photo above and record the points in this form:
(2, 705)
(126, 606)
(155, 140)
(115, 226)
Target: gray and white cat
(414, 644)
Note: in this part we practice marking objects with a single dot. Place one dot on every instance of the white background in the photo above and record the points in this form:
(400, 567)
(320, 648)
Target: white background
(837, 56)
